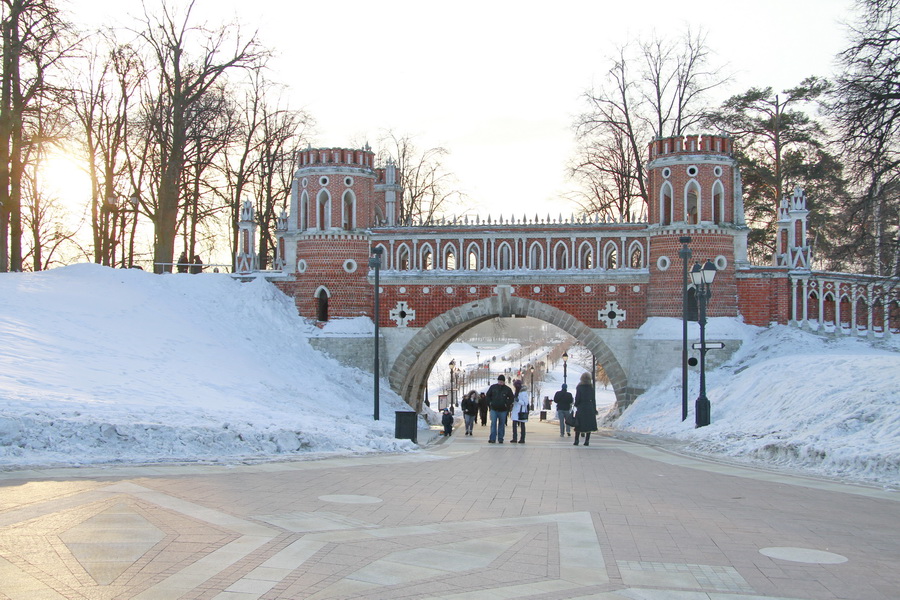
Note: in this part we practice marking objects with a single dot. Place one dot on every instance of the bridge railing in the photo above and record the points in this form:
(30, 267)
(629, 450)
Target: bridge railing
(845, 304)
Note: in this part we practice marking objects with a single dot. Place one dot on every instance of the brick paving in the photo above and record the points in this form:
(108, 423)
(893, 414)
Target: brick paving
(461, 519)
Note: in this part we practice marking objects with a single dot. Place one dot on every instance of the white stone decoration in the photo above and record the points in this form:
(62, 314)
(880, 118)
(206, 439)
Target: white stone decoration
(612, 315)
(537, 289)
(562, 289)
(587, 289)
(301, 266)
(402, 314)
(721, 262)
(350, 265)
(636, 289)
(663, 263)
(426, 290)
(449, 290)
(472, 290)
(401, 289)
(612, 289)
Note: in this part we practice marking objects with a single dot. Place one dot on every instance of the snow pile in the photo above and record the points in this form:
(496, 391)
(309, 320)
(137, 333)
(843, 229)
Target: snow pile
(100, 365)
(793, 399)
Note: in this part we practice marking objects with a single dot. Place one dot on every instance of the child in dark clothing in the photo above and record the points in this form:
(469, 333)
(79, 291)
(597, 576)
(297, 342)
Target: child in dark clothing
(447, 422)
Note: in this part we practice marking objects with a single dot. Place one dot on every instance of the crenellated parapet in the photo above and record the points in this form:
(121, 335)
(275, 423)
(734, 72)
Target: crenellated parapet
(691, 144)
(333, 157)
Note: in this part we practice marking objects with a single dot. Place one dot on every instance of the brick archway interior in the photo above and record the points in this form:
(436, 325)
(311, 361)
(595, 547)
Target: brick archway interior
(409, 372)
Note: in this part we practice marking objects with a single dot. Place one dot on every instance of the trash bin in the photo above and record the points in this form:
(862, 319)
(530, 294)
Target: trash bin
(543, 415)
(405, 425)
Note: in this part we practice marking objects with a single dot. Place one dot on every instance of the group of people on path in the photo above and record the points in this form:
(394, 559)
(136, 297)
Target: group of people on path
(183, 265)
(504, 403)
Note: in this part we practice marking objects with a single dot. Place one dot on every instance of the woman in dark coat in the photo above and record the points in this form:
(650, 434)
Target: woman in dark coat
(482, 408)
(585, 409)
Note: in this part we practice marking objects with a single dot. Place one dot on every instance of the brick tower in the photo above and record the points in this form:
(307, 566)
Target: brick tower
(695, 190)
(337, 195)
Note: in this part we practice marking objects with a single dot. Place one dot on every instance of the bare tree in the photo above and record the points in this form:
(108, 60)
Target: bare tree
(102, 100)
(35, 41)
(182, 79)
(653, 88)
(428, 188)
(865, 106)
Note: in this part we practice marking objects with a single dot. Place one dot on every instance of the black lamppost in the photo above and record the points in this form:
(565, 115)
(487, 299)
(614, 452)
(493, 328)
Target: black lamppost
(452, 375)
(702, 278)
(685, 254)
(531, 404)
(375, 263)
(565, 358)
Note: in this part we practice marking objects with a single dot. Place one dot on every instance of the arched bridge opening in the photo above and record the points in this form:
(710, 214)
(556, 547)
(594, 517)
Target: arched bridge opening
(409, 373)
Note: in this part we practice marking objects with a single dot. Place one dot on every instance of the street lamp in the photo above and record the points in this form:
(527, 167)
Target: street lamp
(685, 254)
(452, 374)
(702, 278)
(375, 263)
(531, 404)
(565, 358)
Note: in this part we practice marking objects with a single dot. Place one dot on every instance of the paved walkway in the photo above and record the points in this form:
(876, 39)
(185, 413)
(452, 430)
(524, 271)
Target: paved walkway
(461, 520)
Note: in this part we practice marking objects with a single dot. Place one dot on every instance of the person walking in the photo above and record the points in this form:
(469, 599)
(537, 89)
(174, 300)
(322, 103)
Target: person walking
(482, 408)
(469, 406)
(585, 409)
(520, 413)
(197, 265)
(563, 399)
(447, 422)
(499, 398)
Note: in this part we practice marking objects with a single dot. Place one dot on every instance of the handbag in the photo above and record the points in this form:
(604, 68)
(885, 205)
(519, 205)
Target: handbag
(570, 420)
(523, 416)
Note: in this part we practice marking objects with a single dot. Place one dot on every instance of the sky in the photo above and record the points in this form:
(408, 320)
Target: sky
(498, 83)
(101, 365)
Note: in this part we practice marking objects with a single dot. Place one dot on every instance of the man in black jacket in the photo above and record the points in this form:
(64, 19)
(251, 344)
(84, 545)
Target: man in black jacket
(500, 398)
(563, 399)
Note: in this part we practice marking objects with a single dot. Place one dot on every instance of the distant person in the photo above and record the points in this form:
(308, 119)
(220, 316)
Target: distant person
(563, 399)
(447, 422)
(482, 408)
(469, 406)
(182, 265)
(585, 409)
(520, 413)
(197, 266)
(499, 398)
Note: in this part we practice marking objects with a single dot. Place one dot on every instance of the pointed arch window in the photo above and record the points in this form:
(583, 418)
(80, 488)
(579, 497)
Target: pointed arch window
(426, 258)
(324, 210)
(718, 200)
(586, 256)
(504, 257)
(561, 256)
(536, 256)
(610, 256)
(348, 214)
(636, 255)
(450, 259)
(665, 204)
(304, 211)
(692, 203)
(473, 262)
(403, 258)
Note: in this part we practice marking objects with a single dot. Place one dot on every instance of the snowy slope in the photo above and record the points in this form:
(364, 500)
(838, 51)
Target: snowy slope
(98, 364)
(794, 399)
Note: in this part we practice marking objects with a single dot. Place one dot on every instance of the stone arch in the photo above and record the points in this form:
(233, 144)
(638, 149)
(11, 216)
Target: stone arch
(692, 213)
(636, 255)
(666, 193)
(561, 256)
(304, 211)
(473, 258)
(610, 255)
(426, 257)
(409, 371)
(450, 263)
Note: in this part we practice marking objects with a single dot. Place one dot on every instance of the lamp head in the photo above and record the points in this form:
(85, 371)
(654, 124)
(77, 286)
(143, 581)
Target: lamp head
(709, 272)
(565, 357)
(696, 274)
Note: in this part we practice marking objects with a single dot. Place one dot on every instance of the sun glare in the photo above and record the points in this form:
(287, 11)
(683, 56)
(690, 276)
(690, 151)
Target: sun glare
(66, 181)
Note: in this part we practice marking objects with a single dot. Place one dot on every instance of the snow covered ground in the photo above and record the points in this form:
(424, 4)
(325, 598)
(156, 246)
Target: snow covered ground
(100, 365)
(105, 365)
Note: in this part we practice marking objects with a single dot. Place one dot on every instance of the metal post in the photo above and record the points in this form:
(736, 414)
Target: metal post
(375, 263)
(702, 279)
(565, 358)
(685, 254)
